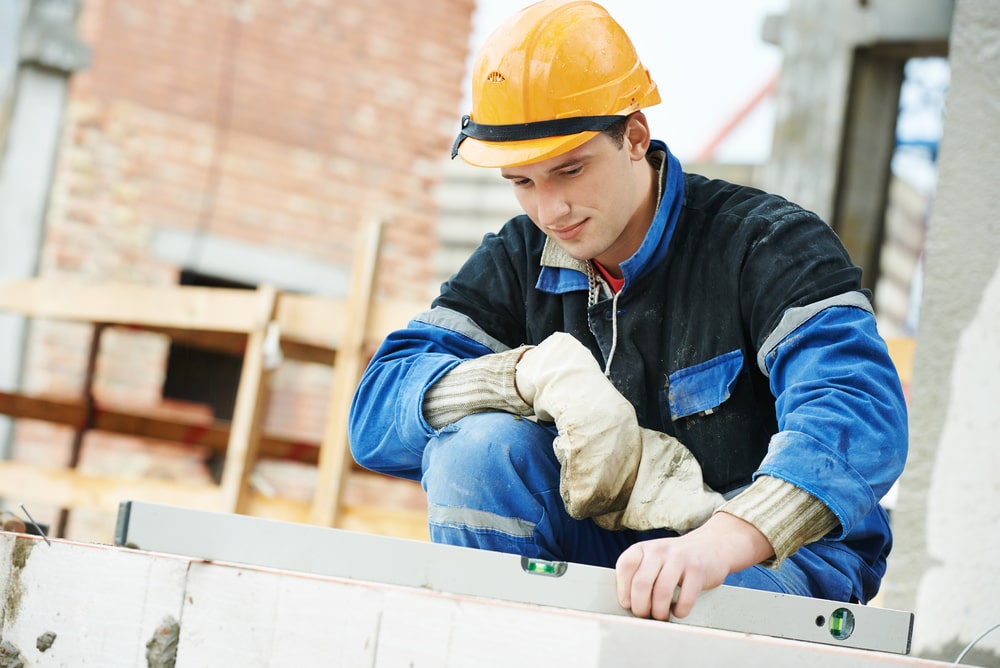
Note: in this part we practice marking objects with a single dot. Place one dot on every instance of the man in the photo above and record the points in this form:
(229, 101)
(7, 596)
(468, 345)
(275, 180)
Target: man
(677, 377)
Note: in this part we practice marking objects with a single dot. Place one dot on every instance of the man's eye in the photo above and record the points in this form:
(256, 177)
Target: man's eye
(573, 171)
(522, 182)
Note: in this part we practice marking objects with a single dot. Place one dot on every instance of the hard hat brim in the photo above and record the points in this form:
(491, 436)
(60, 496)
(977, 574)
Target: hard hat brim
(481, 153)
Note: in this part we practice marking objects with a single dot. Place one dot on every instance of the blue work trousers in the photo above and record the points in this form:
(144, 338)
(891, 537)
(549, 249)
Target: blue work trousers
(492, 482)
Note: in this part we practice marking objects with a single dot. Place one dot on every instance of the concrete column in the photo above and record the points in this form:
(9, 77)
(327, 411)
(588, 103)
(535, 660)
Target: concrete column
(49, 51)
(819, 39)
(944, 566)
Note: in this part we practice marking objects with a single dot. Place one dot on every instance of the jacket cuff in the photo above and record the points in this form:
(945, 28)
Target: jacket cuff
(478, 385)
(788, 516)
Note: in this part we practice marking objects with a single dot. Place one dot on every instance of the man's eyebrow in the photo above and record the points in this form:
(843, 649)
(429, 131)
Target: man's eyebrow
(569, 163)
(562, 165)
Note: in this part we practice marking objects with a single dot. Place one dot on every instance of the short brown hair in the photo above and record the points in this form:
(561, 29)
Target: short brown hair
(616, 131)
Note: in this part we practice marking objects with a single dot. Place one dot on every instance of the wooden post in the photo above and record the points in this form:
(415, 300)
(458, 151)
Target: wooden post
(334, 454)
(85, 425)
(245, 428)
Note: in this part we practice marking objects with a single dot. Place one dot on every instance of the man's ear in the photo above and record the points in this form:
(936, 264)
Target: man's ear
(637, 136)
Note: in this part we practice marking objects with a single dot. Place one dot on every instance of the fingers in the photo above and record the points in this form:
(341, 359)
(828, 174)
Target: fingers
(690, 588)
(646, 583)
(628, 563)
(662, 578)
(663, 590)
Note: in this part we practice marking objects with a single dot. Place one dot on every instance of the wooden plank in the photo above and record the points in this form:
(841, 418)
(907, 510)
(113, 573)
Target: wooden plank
(74, 489)
(245, 428)
(312, 327)
(76, 446)
(214, 318)
(233, 343)
(334, 456)
(395, 522)
(42, 485)
(381, 520)
(183, 307)
(319, 320)
(304, 352)
(902, 351)
(191, 431)
(388, 315)
(311, 319)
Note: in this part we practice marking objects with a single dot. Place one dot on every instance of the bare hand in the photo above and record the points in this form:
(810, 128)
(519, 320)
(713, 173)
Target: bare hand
(648, 573)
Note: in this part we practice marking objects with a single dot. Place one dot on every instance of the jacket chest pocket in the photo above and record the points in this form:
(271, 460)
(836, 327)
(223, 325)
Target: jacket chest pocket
(702, 388)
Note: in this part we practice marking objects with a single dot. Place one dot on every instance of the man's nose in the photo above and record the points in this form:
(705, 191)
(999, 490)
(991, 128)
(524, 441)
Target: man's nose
(552, 206)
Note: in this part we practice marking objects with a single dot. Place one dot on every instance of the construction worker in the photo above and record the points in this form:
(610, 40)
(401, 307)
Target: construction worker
(676, 377)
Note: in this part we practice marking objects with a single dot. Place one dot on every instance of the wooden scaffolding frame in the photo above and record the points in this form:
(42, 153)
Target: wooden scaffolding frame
(258, 323)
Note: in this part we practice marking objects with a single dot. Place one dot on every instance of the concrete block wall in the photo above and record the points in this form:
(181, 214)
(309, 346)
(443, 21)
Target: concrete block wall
(69, 604)
(943, 565)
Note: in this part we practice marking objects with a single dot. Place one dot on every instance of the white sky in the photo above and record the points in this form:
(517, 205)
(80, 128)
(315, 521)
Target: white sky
(707, 57)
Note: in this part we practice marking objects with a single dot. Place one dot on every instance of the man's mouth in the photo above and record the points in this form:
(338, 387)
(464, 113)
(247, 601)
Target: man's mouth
(569, 232)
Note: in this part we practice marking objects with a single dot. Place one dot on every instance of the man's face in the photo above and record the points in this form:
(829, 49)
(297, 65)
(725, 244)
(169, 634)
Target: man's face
(589, 200)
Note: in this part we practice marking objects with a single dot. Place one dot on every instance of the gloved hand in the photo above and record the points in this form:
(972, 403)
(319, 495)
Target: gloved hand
(669, 491)
(598, 443)
(611, 469)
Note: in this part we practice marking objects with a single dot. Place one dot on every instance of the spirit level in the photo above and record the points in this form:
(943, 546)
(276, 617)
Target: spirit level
(338, 553)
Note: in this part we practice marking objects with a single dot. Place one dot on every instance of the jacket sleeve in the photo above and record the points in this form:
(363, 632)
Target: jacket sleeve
(386, 429)
(839, 406)
(478, 312)
(842, 422)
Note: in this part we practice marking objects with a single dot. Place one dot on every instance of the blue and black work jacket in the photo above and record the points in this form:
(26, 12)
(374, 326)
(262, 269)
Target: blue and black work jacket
(742, 330)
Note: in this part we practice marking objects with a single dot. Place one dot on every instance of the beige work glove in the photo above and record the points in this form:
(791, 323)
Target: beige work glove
(669, 491)
(611, 469)
(598, 442)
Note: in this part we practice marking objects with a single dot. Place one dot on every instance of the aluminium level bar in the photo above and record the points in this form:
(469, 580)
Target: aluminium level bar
(253, 541)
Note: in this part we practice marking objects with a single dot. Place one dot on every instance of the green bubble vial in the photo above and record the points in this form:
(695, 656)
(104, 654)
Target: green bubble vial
(543, 567)
(841, 623)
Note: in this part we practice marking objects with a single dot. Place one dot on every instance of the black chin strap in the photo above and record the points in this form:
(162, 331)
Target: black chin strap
(537, 130)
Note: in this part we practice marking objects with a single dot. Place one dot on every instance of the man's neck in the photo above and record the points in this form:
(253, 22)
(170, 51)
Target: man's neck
(644, 214)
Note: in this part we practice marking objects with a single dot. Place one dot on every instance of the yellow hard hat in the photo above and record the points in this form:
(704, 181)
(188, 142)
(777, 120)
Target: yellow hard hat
(548, 80)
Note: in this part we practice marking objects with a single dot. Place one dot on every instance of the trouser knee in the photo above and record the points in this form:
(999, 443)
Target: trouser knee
(492, 482)
(485, 459)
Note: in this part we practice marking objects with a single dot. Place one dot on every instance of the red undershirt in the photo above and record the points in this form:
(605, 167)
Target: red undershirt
(616, 283)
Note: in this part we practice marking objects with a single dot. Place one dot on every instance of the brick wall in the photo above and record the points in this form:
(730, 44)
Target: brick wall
(280, 123)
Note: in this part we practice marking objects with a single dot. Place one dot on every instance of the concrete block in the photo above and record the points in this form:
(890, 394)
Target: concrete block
(114, 607)
(101, 604)
(248, 618)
